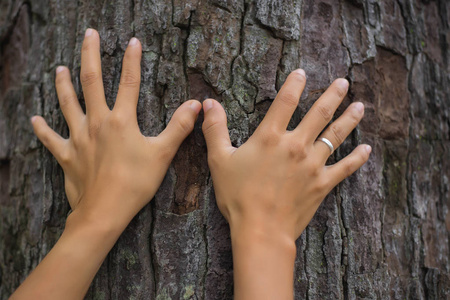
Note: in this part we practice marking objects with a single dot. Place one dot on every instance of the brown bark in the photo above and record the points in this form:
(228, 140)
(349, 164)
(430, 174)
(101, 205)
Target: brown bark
(382, 233)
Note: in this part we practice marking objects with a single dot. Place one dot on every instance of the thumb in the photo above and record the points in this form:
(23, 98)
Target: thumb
(181, 124)
(215, 127)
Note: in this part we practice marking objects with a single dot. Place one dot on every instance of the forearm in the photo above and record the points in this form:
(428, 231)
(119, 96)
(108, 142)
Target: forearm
(263, 264)
(69, 268)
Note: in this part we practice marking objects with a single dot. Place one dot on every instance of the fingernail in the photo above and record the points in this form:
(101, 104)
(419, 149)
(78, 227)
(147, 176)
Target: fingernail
(343, 83)
(195, 106)
(359, 107)
(368, 149)
(301, 72)
(133, 41)
(59, 69)
(33, 119)
(89, 32)
(207, 105)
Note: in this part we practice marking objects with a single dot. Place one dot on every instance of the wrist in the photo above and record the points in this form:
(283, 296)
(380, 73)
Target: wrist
(271, 239)
(263, 263)
(259, 229)
(105, 210)
(100, 214)
(79, 221)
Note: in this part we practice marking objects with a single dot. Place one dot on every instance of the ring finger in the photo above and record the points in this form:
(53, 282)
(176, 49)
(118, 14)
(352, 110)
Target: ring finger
(338, 131)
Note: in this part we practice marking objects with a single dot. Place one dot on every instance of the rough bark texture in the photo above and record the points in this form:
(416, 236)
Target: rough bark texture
(381, 234)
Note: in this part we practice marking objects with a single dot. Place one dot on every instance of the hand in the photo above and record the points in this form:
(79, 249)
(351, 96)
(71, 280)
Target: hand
(269, 188)
(106, 152)
(111, 170)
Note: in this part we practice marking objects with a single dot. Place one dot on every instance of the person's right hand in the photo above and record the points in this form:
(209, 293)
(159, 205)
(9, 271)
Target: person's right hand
(270, 187)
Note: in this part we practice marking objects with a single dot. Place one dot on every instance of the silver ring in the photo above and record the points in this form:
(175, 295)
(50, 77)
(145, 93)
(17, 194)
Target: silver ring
(329, 144)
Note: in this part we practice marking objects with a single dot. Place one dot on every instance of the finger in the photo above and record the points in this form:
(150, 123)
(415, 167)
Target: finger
(322, 111)
(130, 79)
(349, 164)
(338, 131)
(285, 103)
(51, 140)
(91, 75)
(68, 101)
(181, 124)
(215, 128)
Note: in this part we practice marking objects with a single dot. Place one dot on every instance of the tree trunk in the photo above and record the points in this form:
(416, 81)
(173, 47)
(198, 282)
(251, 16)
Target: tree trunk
(382, 233)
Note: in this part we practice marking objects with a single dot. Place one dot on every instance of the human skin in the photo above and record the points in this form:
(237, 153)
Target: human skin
(270, 187)
(111, 170)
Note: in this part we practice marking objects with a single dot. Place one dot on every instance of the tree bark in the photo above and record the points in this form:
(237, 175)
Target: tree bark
(382, 233)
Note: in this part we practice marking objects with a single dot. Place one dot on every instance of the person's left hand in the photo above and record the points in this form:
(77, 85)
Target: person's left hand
(110, 169)
(106, 154)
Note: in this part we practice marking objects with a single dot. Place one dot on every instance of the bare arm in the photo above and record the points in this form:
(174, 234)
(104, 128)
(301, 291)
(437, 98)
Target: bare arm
(269, 188)
(111, 170)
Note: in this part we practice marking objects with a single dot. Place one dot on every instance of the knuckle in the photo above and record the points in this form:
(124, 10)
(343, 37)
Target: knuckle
(340, 91)
(297, 77)
(289, 98)
(324, 111)
(185, 124)
(336, 130)
(60, 78)
(45, 139)
(117, 120)
(76, 138)
(349, 169)
(315, 167)
(269, 136)
(89, 78)
(86, 46)
(64, 156)
(355, 117)
(297, 150)
(323, 184)
(210, 124)
(363, 156)
(163, 148)
(214, 158)
(130, 79)
(166, 153)
(93, 129)
(79, 140)
(322, 188)
(66, 99)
